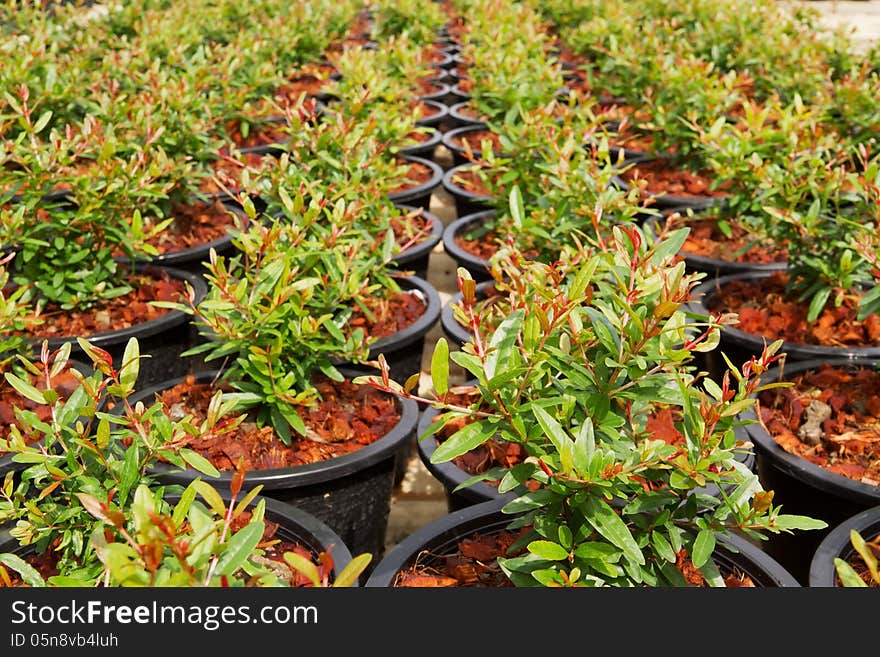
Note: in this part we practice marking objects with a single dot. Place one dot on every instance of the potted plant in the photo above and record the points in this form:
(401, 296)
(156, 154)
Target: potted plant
(68, 231)
(814, 445)
(824, 304)
(292, 313)
(574, 383)
(100, 517)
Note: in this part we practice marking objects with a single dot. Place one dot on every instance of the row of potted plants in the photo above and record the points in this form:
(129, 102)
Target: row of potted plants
(266, 294)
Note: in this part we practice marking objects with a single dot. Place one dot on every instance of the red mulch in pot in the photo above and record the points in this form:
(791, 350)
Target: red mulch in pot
(706, 239)
(484, 245)
(228, 169)
(661, 178)
(121, 312)
(830, 417)
(346, 418)
(425, 111)
(765, 309)
(63, 383)
(409, 230)
(259, 134)
(427, 87)
(390, 314)
(473, 141)
(418, 174)
(193, 226)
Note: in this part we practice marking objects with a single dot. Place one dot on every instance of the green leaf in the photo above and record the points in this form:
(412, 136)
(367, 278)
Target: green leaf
(211, 496)
(199, 462)
(353, 570)
(303, 566)
(29, 574)
(605, 521)
(440, 366)
(848, 576)
(464, 440)
(548, 550)
(662, 546)
(584, 447)
(554, 431)
(24, 388)
(704, 546)
(128, 373)
(239, 548)
(789, 521)
(818, 303)
(187, 497)
(503, 341)
(517, 212)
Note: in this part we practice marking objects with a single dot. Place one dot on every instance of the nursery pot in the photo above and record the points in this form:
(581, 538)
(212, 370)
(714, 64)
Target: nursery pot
(161, 340)
(837, 545)
(437, 117)
(416, 258)
(663, 200)
(459, 118)
(466, 202)
(453, 140)
(716, 267)
(350, 493)
(426, 148)
(740, 345)
(294, 525)
(438, 91)
(442, 536)
(802, 487)
(419, 195)
(478, 267)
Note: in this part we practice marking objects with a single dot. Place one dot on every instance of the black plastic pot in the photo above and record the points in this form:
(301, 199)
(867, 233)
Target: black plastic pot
(837, 545)
(478, 267)
(294, 525)
(417, 257)
(161, 340)
(802, 487)
(437, 118)
(426, 148)
(193, 259)
(350, 493)
(452, 141)
(664, 201)
(458, 119)
(465, 202)
(442, 536)
(457, 95)
(420, 195)
(740, 346)
(716, 267)
(439, 91)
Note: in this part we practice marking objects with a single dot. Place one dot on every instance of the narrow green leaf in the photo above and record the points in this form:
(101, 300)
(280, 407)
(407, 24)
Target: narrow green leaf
(29, 574)
(704, 546)
(353, 570)
(605, 521)
(548, 550)
(239, 548)
(303, 566)
(199, 462)
(440, 366)
(503, 341)
(464, 440)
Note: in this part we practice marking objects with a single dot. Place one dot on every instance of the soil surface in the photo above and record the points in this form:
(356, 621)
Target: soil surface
(121, 312)
(830, 417)
(661, 178)
(765, 309)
